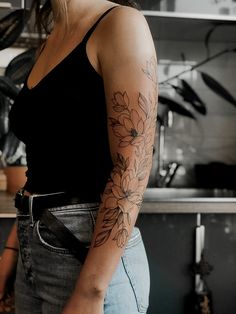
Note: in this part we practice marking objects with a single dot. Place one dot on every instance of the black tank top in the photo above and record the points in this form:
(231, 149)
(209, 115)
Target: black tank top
(63, 123)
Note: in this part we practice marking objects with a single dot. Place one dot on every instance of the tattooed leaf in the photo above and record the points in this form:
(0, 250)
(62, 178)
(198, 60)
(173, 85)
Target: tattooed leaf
(139, 204)
(128, 218)
(126, 98)
(108, 188)
(141, 125)
(148, 74)
(138, 151)
(114, 122)
(111, 214)
(118, 108)
(102, 237)
(143, 104)
(123, 163)
(135, 166)
(142, 175)
(109, 224)
(124, 143)
(120, 219)
(117, 171)
(151, 70)
(121, 237)
(148, 139)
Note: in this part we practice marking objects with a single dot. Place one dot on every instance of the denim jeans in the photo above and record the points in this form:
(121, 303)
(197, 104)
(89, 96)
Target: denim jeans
(47, 272)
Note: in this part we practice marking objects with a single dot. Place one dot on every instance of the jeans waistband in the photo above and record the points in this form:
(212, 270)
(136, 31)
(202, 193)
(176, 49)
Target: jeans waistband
(36, 206)
(33, 204)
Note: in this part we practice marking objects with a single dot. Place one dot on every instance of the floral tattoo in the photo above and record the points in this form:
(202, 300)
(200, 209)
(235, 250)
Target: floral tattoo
(134, 129)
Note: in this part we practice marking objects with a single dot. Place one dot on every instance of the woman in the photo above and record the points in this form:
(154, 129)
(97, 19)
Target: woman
(87, 115)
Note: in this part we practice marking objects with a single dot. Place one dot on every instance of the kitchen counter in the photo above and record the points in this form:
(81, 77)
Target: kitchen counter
(7, 209)
(166, 200)
(189, 200)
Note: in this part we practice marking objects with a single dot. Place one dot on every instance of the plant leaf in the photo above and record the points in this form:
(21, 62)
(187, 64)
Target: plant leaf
(18, 68)
(11, 27)
(176, 107)
(8, 88)
(13, 150)
(190, 96)
(218, 88)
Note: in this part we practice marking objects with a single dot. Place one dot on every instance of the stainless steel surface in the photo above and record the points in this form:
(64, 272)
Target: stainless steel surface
(188, 201)
(192, 16)
(170, 194)
(191, 206)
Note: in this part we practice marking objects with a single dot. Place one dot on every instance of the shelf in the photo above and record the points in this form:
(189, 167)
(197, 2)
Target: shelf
(172, 26)
(190, 27)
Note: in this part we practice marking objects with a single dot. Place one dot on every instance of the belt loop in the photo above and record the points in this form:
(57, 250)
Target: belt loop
(31, 197)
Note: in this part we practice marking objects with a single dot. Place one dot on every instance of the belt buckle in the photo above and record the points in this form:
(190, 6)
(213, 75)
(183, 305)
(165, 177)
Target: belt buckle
(18, 198)
(31, 198)
(19, 194)
(18, 202)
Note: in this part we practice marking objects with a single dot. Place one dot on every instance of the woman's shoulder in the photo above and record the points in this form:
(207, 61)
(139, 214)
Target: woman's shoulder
(124, 29)
(125, 15)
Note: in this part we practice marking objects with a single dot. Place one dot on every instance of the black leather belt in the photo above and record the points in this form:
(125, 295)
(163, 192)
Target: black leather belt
(41, 201)
(37, 207)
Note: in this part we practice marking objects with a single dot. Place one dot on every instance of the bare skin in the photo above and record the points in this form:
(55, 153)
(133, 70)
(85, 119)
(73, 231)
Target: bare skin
(8, 261)
(121, 50)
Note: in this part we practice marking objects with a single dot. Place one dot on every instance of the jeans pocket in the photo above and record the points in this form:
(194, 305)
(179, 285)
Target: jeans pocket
(137, 269)
(48, 240)
(79, 221)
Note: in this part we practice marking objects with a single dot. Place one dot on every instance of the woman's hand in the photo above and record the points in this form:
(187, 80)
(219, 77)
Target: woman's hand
(82, 305)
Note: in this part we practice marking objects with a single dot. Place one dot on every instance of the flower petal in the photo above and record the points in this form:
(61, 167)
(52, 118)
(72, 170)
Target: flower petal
(111, 202)
(117, 192)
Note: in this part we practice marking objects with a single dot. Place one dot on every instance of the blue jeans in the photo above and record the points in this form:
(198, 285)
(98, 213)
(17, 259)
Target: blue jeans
(47, 272)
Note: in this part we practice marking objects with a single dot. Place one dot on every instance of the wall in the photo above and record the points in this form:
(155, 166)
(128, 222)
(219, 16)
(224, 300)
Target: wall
(212, 138)
(206, 6)
(169, 241)
(191, 6)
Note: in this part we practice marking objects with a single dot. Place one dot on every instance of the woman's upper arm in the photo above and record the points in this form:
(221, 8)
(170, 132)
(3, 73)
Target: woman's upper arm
(129, 69)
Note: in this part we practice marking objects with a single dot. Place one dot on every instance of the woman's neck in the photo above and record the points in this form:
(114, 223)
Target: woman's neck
(77, 10)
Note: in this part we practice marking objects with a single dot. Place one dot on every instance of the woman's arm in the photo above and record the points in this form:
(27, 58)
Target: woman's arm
(128, 64)
(8, 259)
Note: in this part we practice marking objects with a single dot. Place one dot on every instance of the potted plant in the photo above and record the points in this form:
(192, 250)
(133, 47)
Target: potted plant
(12, 150)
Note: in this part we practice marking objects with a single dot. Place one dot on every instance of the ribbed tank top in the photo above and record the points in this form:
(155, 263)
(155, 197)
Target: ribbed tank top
(63, 123)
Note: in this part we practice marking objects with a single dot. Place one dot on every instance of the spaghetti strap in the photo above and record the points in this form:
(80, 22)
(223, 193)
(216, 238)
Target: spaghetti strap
(90, 31)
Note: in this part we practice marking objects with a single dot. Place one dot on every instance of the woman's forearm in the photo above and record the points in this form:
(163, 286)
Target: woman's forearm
(8, 259)
(112, 231)
(12, 240)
